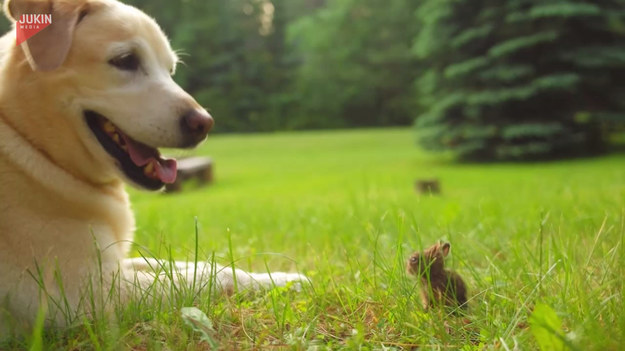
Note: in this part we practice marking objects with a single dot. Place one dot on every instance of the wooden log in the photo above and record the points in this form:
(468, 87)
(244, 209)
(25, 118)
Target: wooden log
(199, 168)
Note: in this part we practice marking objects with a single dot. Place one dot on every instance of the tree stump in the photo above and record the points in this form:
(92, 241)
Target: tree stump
(199, 168)
(428, 186)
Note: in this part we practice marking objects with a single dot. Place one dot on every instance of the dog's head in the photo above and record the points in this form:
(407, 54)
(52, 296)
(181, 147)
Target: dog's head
(106, 68)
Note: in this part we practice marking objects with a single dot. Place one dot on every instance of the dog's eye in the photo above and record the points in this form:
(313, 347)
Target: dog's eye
(126, 62)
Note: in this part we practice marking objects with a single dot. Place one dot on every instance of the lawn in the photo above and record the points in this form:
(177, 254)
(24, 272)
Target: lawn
(340, 207)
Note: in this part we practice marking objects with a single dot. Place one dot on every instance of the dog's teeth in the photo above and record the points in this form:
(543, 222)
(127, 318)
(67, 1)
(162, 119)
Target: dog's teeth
(149, 169)
(109, 127)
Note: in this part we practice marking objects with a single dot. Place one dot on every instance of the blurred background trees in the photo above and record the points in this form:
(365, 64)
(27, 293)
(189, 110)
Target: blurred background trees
(488, 80)
(356, 65)
(263, 65)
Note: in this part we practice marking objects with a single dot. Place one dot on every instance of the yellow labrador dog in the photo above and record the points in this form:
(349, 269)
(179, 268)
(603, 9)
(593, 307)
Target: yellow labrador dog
(84, 105)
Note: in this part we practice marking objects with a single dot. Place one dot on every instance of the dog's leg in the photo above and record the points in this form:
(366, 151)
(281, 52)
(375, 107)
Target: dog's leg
(245, 280)
(226, 279)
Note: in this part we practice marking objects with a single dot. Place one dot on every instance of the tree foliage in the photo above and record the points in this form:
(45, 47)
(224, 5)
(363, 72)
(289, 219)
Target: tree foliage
(357, 67)
(520, 79)
(506, 79)
(234, 57)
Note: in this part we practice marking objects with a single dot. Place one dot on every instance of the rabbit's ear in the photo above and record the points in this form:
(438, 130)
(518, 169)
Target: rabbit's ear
(445, 249)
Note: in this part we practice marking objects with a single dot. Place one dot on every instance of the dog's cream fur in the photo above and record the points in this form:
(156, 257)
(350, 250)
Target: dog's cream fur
(64, 213)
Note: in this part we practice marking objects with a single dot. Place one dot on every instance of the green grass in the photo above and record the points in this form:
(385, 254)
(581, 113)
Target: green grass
(341, 207)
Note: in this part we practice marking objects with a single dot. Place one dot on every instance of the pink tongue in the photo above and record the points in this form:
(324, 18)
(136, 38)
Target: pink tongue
(166, 170)
(141, 155)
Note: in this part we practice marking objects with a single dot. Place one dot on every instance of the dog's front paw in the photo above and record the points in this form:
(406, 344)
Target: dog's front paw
(294, 280)
(269, 280)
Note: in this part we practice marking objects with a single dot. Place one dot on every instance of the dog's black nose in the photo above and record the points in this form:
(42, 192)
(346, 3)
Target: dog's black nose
(195, 125)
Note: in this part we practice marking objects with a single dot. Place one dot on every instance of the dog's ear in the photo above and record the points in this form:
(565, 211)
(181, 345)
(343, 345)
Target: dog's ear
(13, 9)
(48, 49)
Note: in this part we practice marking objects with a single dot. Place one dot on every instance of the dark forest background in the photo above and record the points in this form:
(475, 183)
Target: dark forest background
(505, 79)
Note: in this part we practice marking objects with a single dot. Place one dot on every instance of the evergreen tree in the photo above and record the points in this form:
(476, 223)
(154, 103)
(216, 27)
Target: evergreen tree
(520, 79)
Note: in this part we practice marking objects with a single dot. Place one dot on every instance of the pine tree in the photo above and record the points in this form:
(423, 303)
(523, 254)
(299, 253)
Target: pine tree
(520, 79)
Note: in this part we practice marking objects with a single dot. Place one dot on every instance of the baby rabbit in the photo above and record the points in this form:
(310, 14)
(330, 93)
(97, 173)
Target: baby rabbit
(438, 285)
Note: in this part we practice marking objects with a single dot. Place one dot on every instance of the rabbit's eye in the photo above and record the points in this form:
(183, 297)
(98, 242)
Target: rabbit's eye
(414, 259)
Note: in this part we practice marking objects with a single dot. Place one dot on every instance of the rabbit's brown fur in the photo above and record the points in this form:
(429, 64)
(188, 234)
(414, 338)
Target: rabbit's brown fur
(438, 285)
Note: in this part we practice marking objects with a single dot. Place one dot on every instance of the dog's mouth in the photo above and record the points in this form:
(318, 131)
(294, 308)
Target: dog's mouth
(141, 163)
